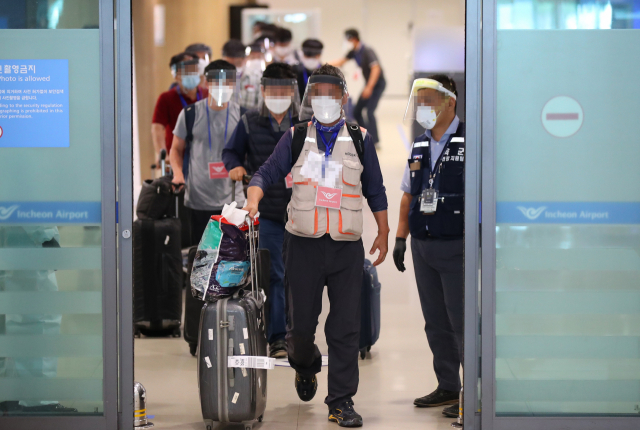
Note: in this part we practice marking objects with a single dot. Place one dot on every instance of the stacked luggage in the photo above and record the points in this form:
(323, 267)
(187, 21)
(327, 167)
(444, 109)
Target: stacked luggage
(231, 323)
(157, 260)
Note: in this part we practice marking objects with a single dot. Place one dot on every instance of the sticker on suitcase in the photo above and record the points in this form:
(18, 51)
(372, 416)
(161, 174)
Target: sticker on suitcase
(251, 362)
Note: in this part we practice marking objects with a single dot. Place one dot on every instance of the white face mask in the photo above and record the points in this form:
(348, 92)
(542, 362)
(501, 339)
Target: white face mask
(277, 105)
(426, 116)
(326, 109)
(221, 94)
(348, 46)
(282, 51)
(310, 63)
(254, 65)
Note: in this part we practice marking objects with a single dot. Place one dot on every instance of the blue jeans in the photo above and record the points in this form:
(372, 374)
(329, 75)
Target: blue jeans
(370, 105)
(271, 238)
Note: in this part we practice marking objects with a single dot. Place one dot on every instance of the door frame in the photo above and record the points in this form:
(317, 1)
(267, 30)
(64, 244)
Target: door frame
(487, 73)
(124, 115)
(110, 350)
(472, 254)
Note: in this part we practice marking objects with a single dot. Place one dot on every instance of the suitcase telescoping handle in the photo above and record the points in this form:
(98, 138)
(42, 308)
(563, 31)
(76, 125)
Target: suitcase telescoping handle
(163, 161)
(245, 180)
(253, 256)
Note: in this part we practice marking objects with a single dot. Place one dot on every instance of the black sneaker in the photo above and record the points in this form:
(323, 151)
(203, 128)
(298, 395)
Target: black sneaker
(306, 387)
(437, 398)
(451, 411)
(345, 415)
(278, 349)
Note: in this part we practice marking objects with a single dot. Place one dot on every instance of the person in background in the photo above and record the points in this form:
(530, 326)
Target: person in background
(249, 97)
(323, 246)
(203, 52)
(186, 74)
(257, 28)
(197, 162)
(283, 51)
(235, 53)
(435, 172)
(254, 139)
(374, 77)
(310, 62)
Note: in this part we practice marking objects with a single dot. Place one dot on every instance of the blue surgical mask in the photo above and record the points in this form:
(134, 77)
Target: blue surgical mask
(190, 82)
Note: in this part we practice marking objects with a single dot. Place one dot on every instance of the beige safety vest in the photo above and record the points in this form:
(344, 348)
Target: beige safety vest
(307, 220)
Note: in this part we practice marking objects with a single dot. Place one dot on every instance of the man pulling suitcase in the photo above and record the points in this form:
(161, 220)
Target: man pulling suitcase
(334, 165)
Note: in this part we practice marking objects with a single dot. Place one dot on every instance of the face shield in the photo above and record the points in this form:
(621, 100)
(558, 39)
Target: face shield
(323, 99)
(427, 101)
(187, 73)
(255, 60)
(280, 95)
(221, 83)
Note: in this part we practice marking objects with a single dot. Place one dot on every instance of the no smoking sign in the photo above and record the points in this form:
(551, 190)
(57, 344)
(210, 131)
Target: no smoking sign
(562, 116)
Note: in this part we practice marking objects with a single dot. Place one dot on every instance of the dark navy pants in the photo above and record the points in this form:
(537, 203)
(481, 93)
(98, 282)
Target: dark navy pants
(370, 104)
(439, 273)
(271, 238)
(312, 263)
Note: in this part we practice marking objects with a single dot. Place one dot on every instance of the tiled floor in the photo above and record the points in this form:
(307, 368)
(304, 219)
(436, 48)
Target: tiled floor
(399, 369)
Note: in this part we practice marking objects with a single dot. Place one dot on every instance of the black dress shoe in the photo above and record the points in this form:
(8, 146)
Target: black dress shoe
(451, 411)
(437, 398)
(345, 415)
(306, 386)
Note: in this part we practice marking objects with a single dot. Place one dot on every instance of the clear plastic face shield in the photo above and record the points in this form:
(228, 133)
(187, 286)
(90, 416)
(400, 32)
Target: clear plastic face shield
(429, 98)
(324, 98)
(280, 95)
(255, 59)
(187, 74)
(221, 84)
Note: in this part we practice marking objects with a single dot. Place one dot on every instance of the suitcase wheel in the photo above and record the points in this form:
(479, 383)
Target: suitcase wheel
(176, 332)
(193, 348)
(369, 348)
(363, 353)
(208, 427)
(248, 426)
(136, 333)
(260, 418)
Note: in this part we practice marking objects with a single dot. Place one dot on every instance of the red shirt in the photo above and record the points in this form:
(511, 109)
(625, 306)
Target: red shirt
(168, 107)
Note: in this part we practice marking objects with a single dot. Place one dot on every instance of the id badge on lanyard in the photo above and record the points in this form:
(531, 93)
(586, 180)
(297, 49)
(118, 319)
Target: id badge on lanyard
(429, 200)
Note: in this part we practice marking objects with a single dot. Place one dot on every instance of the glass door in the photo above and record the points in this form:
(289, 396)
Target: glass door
(58, 349)
(561, 213)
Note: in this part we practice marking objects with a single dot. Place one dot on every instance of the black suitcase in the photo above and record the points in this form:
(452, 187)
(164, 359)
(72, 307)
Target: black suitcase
(370, 313)
(157, 277)
(157, 271)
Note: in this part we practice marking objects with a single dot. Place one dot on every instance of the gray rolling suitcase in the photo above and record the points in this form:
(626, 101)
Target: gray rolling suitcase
(233, 327)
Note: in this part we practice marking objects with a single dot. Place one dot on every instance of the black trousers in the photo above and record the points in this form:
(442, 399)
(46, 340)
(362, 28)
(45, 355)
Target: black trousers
(438, 266)
(370, 104)
(199, 221)
(310, 264)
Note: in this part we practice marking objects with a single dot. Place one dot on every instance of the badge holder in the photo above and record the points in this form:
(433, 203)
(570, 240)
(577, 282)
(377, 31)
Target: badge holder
(429, 200)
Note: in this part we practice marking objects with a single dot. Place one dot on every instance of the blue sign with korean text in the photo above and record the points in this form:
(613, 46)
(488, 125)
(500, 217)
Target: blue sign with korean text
(34, 104)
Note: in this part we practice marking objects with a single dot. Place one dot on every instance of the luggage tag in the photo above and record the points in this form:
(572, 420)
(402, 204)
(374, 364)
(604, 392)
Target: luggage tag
(288, 181)
(217, 170)
(327, 197)
(429, 200)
